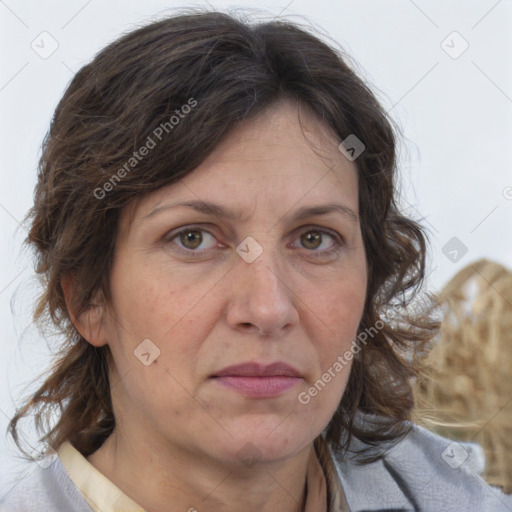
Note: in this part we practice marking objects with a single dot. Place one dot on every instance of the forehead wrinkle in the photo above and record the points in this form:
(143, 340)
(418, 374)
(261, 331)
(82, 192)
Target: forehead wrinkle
(321, 146)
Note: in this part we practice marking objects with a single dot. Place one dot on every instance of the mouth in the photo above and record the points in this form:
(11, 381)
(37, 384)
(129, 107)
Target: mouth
(259, 381)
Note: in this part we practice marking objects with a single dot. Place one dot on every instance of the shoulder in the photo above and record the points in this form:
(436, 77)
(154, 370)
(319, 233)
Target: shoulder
(422, 472)
(44, 487)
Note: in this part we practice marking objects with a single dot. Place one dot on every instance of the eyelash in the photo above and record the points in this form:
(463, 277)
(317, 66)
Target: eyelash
(338, 241)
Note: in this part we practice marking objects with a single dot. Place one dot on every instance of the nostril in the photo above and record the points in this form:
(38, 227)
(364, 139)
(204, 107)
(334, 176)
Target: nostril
(250, 326)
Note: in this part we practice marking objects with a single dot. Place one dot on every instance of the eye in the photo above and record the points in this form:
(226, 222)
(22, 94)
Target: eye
(318, 240)
(193, 238)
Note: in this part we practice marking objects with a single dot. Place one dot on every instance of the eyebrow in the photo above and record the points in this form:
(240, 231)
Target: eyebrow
(229, 214)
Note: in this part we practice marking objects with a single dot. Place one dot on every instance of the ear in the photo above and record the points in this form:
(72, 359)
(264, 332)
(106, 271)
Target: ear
(90, 323)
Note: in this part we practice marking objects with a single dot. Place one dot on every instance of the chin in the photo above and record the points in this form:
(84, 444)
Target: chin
(262, 442)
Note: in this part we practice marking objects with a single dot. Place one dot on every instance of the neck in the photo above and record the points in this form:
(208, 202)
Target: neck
(155, 476)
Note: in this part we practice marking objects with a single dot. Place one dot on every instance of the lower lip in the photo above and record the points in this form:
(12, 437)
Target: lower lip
(260, 387)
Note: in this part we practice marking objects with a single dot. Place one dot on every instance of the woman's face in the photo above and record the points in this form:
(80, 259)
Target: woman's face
(253, 259)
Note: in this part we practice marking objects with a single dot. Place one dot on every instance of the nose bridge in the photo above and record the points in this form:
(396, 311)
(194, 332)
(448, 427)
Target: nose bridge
(261, 295)
(267, 279)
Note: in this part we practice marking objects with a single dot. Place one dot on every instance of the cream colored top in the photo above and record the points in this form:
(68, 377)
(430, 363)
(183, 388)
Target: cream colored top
(99, 492)
(104, 496)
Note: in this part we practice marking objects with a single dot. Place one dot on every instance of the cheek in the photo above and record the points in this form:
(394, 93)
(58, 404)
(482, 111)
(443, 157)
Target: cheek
(155, 303)
(176, 317)
(334, 323)
(339, 308)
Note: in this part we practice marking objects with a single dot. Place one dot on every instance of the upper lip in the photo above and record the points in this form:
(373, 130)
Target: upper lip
(253, 369)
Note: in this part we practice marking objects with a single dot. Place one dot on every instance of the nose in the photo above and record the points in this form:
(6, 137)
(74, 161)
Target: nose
(262, 299)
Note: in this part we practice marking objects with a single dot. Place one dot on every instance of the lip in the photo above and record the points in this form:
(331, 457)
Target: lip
(259, 380)
(253, 369)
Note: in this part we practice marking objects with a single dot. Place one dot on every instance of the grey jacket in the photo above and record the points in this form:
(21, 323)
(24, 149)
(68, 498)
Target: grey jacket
(422, 473)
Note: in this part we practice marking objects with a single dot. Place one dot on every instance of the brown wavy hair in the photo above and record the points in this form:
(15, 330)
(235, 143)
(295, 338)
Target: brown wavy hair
(233, 69)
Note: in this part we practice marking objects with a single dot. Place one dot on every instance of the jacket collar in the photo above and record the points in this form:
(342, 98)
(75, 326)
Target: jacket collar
(372, 487)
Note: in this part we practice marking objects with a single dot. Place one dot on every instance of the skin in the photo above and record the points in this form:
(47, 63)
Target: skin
(178, 432)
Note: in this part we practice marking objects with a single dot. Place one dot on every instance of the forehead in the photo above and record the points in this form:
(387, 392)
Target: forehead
(287, 131)
(274, 159)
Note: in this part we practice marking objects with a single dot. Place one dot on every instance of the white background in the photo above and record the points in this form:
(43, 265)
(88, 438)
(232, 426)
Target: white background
(456, 115)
